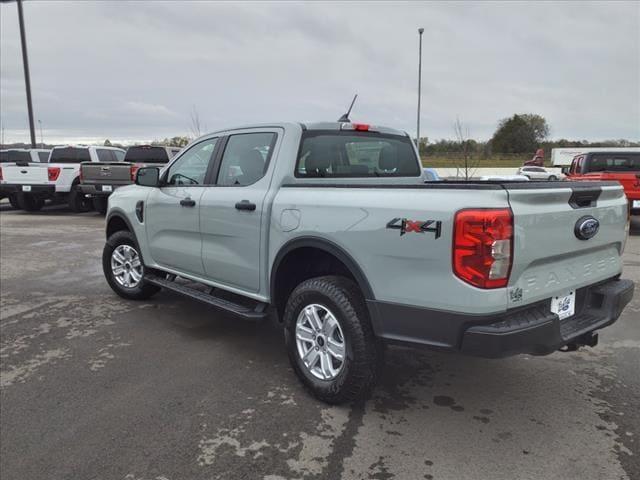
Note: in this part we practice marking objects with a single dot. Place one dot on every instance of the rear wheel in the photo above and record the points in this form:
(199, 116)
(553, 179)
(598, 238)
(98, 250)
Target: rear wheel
(100, 204)
(330, 341)
(30, 203)
(123, 268)
(78, 202)
(552, 178)
(13, 200)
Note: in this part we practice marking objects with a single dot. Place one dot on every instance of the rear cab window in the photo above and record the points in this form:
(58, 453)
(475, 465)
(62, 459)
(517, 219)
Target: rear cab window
(354, 154)
(13, 156)
(146, 154)
(105, 155)
(43, 156)
(70, 155)
(613, 162)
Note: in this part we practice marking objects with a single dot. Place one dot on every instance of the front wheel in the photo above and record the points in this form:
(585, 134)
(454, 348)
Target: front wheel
(553, 178)
(330, 341)
(123, 268)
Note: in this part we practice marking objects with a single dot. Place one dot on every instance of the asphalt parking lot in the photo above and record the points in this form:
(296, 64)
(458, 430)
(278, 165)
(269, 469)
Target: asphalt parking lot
(93, 386)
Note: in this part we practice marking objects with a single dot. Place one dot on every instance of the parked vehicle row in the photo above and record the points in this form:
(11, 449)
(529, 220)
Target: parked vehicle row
(331, 228)
(58, 180)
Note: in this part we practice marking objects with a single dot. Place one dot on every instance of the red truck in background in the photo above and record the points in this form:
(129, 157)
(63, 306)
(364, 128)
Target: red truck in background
(623, 167)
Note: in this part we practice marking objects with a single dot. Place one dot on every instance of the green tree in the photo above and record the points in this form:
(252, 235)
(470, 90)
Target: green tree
(520, 134)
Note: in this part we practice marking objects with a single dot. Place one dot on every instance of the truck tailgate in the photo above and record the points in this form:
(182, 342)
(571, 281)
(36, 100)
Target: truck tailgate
(103, 173)
(31, 174)
(549, 258)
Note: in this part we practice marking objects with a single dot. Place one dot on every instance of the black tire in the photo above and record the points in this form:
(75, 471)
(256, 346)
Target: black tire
(364, 352)
(29, 203)
(100, 204)
(552, 178)
(143, 290)
(78, 202)
(13, 200)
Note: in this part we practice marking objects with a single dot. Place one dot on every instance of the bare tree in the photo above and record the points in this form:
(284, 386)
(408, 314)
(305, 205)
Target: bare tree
(462, 134)
(195, 126)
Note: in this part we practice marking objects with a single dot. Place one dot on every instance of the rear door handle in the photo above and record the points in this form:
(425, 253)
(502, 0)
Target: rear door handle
(246, 205)
(187, 202)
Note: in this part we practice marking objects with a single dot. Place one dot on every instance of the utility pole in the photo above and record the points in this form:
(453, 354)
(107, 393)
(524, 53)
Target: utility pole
(420, 32)
(41, 141)
(27, 81)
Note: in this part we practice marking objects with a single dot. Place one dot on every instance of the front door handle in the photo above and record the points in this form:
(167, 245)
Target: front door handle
(187, 202)
(246, 205)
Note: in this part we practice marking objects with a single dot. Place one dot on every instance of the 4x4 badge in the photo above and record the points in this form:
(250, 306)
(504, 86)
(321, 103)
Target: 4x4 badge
(418, 226)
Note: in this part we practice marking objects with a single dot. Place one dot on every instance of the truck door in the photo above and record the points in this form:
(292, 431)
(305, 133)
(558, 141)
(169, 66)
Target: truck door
(232, 212)
(172, 215)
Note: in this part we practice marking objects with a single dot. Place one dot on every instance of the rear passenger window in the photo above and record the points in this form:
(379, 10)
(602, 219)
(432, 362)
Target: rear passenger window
(43, 156)
(105, 155)
(245, 158)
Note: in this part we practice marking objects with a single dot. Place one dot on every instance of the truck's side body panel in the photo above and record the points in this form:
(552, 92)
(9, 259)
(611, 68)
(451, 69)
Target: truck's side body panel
(402, 267)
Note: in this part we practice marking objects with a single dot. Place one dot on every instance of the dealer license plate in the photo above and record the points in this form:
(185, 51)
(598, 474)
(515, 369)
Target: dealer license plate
(107, 188)
(26, 188)
(635, 204)
(564, 305)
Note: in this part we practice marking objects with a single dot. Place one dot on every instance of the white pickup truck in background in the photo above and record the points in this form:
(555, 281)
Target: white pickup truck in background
(22, 156)
(58, 180)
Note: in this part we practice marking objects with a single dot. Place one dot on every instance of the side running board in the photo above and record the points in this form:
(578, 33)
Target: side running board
(253, 310)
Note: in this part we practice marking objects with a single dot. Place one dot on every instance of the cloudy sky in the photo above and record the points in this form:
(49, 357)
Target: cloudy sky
(134, 70)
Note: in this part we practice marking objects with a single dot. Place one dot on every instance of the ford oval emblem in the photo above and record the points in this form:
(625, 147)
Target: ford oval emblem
(586, 227)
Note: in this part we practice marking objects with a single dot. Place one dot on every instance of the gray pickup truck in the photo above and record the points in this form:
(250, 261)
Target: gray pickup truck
(332, 229)
(98, 181)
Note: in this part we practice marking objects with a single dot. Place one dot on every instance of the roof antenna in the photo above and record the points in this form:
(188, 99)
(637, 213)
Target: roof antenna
(345, 117)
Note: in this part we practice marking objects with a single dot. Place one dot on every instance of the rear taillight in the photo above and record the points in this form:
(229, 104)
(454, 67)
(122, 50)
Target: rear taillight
(54, 173)
(133, 170)
(483, 246)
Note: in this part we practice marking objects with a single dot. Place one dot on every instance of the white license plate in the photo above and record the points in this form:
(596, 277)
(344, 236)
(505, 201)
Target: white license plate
(26, 188)
(635, 204)
(564, 305)
(107, 188)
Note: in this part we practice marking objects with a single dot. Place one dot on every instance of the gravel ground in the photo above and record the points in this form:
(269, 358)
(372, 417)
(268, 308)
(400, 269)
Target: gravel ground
(96, 387)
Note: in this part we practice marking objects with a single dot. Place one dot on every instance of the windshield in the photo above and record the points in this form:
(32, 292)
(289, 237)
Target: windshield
(70, 155)
(145, 154)
(614, 162)
(12, 156)
(356, 154)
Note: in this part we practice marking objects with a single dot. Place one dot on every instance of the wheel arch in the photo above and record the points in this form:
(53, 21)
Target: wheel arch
(339, 261)
(116, 222)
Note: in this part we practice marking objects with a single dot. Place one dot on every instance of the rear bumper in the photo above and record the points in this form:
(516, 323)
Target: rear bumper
(12, 188)
(96, 190)
(532, 329)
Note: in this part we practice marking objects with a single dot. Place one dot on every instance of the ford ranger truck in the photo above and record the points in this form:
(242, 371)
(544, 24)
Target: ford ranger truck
(332, 229)
(623, 167)
(98, 181)
(58, 180)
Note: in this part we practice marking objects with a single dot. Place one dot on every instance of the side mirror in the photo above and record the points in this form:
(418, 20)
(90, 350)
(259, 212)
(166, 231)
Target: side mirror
(148, 177)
